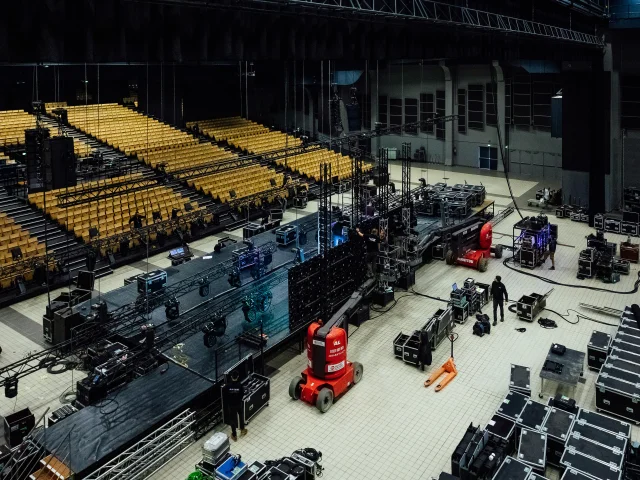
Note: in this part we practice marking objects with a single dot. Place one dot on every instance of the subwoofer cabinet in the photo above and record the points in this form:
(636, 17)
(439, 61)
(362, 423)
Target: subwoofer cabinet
(557, 426)
(598, 349)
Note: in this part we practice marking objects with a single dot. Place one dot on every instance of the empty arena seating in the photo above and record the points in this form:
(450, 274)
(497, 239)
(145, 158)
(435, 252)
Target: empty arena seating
(308, 164)
(187, 156)
(13, 123)
(245, 135)
(222, 129)
(131, 132)
(13, 236)
(241, 181)
(111, 215)
(49, 106)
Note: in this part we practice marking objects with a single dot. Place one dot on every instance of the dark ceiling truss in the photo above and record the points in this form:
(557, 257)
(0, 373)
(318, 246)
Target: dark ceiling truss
(436, 13)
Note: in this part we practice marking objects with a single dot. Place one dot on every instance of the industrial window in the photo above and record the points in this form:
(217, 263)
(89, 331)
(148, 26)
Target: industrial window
(382, 111)
(488, 158)
(475, 107)
(542, 93)
(411, 114)
(630, 102)
(426, 111)
(395, 112)
(491, 117)
(521, 98)
(462, 110)
(440, 112)
(507, 101)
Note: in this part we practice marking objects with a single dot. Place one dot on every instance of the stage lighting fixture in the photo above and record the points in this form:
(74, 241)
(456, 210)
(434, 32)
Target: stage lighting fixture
(11, 387)
(172, 309)
(204, 287)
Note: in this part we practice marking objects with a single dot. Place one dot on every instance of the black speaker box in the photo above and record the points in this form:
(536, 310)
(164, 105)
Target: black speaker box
(59, 163)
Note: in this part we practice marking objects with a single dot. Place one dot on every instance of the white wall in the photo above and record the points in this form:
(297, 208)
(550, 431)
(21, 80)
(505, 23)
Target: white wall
(533, 153)
(415, 80)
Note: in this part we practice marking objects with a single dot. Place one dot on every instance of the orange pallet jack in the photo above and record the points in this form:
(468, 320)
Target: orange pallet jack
(449, 367)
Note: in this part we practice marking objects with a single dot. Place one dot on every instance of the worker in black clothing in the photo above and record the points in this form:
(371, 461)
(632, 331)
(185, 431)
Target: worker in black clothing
(136, 220)
(499, 294)
(232, 395)
(372, 240)
(424, 350)
(553, 243)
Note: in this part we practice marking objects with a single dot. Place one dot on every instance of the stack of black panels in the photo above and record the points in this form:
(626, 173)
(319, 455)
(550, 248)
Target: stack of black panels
(618, 384)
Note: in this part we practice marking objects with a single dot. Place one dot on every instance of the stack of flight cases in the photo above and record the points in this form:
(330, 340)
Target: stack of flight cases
(596, 446)
(598, 350)
(405, 347)
(557, 426)
(618, 384)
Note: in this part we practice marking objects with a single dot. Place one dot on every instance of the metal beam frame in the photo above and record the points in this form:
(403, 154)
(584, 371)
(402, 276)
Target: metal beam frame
(453, 15)
(433, 12)
(101, 191)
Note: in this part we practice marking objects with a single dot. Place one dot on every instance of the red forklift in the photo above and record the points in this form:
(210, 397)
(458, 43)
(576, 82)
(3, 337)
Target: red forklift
(471, 246)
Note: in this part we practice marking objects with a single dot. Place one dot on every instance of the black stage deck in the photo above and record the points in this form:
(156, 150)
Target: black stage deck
(96, 433)
(149, 401)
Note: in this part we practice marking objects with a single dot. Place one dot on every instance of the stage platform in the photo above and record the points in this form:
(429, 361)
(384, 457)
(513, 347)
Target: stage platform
(95, 434)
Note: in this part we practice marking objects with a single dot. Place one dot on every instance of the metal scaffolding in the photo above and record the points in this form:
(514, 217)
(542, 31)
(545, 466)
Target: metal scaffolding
(425, 10)
(453, 15)
(152, 452)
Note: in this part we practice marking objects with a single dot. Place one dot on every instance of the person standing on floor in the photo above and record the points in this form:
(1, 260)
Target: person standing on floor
(553, 243)
(424, 350)
(232, 395)
(499, 294)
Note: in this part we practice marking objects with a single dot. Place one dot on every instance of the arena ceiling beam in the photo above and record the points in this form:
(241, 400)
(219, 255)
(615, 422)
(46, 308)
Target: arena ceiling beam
(428, 11)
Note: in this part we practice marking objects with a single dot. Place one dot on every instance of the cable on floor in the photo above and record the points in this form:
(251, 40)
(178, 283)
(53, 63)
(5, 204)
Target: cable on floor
(636, 285)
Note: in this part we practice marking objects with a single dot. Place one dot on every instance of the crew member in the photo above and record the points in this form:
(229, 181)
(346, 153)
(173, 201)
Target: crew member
(136, 220)
(424, 350)
(499, 293)
(553, 243)
(232, 395)
(372, 240)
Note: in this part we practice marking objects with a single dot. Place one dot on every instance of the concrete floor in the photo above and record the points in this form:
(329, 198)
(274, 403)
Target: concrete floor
(389, 425)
